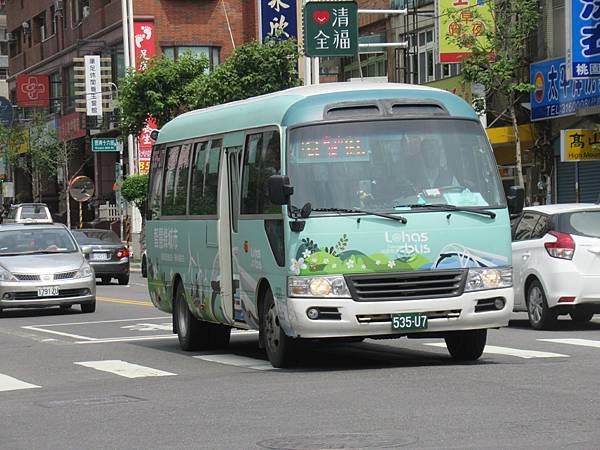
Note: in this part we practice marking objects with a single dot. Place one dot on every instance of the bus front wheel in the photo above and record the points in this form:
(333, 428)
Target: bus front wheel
(281, 349)
(466, 345)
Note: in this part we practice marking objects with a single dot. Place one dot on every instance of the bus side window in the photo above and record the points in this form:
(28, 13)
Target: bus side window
(197, 181)
(170, 179)
(211, 177)
(155, 183)
(261, 160)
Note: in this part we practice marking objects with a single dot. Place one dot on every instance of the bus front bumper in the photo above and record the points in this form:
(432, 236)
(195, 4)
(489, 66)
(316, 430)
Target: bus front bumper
(349, 318)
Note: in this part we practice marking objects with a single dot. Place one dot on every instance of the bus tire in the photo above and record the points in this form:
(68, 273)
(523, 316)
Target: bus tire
(281, 349)
(192, 333)
(466, 345)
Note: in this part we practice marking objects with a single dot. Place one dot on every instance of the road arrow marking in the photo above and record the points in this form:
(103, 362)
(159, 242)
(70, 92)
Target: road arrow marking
(12, 384)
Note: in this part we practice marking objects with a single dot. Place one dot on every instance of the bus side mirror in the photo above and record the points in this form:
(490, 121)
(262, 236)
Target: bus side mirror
(516, 200)
(280, 189)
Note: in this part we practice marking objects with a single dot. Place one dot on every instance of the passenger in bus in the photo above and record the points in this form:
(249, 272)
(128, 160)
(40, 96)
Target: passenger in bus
(435, 169)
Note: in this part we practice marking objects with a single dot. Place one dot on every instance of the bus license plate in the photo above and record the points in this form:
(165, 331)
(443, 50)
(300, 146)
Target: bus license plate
(409, 321)
(50, 291)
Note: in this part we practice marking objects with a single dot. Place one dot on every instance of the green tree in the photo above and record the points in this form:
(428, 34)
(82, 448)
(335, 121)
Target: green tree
(168, 88)
(499, 61)
(135, 190)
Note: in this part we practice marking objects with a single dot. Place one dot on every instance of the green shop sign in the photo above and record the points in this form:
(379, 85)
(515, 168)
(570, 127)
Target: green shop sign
(105, 145)
(331, 28)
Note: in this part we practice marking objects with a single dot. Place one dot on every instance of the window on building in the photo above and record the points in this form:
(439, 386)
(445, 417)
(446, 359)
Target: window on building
(80, 9)
(261, 160)
(53, 19)
(15, 43)
(422, 65)
(69, 87)
(212, 53)
(3, 48)
(3, 73)
(40, 32)
(55, 92)
(558, 24)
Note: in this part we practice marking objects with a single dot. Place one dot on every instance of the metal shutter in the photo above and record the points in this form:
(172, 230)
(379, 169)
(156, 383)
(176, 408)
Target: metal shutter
(565, 181)
(589, 181)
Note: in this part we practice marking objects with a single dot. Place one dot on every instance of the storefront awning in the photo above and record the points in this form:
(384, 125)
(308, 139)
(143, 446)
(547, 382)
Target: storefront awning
(506, 136)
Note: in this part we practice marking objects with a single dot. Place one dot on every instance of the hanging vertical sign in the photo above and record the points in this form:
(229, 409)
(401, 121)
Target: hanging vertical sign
(331, 28)
(278, 19)
(143, 37)
(582, 28)
(93, 85)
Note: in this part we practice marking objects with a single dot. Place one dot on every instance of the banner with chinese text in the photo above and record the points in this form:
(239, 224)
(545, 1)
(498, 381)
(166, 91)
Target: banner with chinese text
(278, 19)
(582, 28)
(474, 15)
(93, 85)
(579, 145)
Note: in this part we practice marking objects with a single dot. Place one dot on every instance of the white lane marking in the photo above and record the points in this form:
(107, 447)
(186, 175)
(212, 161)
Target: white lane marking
(519, 353)
(167, 326)
(12, 384)
(128, 339)
(238, 361)
(103, 321)
(573, 341)
(124, 369)
(60, 333)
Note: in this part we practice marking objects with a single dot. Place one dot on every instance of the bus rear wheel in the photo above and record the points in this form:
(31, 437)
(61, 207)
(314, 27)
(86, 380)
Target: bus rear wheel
(195, 334)
(281, 349)
(466, 345)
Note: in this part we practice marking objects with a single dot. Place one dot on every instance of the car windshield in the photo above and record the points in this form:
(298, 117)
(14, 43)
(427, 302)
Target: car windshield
(38, 240)
(96, 237)
(33, 212)
(382, 165)
(581, 223)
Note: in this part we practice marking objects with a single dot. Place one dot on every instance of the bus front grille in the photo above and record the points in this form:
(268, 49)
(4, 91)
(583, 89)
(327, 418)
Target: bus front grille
(420, 284)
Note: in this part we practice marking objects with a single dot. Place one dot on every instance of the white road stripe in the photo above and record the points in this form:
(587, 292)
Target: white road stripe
(238, 361)
(124, 369)
(129, 339)
(519, 353)
(573, 341)
(12, 384)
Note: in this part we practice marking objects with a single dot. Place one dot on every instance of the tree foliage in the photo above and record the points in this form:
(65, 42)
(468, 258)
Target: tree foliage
(135, 190)
(499, 61)
(168, 88)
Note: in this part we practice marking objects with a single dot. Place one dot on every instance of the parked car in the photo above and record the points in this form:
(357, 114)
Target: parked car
(42, 265)
(109, 256)
(28, 213)
(556, 262)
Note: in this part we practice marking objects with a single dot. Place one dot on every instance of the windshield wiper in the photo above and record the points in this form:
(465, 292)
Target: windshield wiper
(362, 211)
(448, 207)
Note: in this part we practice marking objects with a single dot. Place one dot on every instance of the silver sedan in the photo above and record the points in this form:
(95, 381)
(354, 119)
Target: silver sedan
(42, 265)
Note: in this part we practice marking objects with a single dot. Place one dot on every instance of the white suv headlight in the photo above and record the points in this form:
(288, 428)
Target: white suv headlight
(321, 286)
(488, 278)
(84, 271)
(5, 275)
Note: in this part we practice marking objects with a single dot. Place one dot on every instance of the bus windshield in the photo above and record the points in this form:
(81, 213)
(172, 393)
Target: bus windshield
(385, 165)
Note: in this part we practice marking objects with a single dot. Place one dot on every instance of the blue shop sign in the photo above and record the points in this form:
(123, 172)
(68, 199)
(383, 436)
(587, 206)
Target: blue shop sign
(583, 38)
(278, 19)
(6, 112)
(554, 95)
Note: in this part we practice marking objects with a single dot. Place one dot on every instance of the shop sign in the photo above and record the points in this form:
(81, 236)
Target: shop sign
(582, 26)
(70, 127)
(330, 28)
(449, 24)
(554, 95)
(93, 85)
(33, 91)
(105, 145)
(579, 145)
(145, 143)
(143, 37)
(278, 19)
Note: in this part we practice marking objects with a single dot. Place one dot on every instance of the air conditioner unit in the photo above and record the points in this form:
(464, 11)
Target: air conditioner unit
(10, 37)
(86, 11)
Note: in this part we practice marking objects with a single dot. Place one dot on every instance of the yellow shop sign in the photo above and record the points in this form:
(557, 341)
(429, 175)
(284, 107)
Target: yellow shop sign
(579, 145)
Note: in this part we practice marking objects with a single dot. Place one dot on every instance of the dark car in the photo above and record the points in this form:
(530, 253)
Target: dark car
(109, 256)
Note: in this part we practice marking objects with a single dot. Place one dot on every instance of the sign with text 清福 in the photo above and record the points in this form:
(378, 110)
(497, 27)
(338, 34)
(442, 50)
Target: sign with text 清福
(554, 95)
(461, 16)
(331, 28)
(33, 91)
(579, 145)
(105, 145)
(278, 19)
(582, 28)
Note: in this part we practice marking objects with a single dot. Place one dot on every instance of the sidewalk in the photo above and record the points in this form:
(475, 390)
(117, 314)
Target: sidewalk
(135, 267)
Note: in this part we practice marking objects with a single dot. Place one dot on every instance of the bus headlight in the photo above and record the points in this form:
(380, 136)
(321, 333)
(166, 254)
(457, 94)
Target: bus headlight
(322, 286)
(488, 278)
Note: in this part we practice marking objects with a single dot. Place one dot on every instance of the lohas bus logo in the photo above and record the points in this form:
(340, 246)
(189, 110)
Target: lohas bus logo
(408, 243)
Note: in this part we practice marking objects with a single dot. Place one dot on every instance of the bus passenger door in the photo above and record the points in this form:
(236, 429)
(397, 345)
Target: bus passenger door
(228, 243)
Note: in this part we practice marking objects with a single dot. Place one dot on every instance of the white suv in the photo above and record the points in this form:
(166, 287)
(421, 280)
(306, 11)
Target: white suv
(28, 213)
(556, 262)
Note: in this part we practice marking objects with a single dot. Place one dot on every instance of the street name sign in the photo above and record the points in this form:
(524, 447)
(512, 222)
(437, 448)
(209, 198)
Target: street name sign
(105, 145)
(330, 28)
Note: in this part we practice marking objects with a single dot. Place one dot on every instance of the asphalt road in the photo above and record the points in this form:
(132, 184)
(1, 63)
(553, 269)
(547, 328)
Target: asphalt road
(117, 379)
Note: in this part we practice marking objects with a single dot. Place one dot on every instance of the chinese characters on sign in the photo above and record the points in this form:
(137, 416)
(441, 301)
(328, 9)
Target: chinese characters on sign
(278, 19)
(583, 38)
(473, 16)
(33, 91)
(145, 143)
(70, 127)
(331, 28)
(93, 85)
(105, 145)
(555, 95)
(579, 145)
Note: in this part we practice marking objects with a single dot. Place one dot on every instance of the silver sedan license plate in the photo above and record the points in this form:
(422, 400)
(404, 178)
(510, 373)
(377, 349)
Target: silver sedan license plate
(48, 291)
(409, 321)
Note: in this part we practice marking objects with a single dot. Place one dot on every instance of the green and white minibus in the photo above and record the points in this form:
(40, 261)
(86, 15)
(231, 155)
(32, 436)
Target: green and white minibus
(344, 210)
